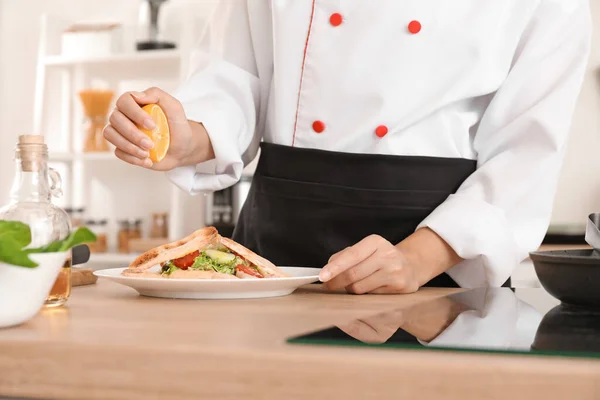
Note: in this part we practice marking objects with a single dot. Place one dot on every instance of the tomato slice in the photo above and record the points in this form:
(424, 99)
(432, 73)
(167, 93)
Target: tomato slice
(247, 270)
(186, 261)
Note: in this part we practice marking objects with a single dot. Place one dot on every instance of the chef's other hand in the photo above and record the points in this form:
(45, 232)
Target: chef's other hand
(189, 141)
(373, 265)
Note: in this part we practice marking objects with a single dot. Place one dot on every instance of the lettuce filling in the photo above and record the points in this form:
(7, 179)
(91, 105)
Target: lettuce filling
(204, 263)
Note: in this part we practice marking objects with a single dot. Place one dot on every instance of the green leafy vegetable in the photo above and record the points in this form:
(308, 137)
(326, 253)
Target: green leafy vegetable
(80, 236)
(11, 253)
(168, 268)
(18, 232)
(15, 236)
(205, 263)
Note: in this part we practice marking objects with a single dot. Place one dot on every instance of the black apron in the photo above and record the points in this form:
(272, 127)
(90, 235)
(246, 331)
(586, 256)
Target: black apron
(305, 205)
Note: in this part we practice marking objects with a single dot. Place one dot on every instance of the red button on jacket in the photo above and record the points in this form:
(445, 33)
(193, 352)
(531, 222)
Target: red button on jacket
(414, 27)
(318, 126)
(336, 19)
(381, 131)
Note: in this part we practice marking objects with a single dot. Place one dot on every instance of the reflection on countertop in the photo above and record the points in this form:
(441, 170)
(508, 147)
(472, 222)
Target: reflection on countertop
(486, 319)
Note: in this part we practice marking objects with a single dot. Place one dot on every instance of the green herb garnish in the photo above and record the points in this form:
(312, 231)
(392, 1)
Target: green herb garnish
(15, 236)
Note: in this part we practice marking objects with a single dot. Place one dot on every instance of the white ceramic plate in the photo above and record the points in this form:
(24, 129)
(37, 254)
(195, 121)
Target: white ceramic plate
(215, 288)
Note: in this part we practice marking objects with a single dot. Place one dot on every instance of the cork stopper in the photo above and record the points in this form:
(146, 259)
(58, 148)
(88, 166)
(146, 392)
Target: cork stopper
(31, 139)
(32, 151)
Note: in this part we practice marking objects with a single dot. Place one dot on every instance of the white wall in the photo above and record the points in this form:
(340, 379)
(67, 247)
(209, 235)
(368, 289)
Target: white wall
(579, 188)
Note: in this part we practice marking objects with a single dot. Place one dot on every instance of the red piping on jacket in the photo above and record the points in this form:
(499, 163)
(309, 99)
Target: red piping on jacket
(312, 13)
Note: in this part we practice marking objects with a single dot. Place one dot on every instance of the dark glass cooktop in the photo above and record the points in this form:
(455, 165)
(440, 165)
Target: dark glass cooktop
(523, 321)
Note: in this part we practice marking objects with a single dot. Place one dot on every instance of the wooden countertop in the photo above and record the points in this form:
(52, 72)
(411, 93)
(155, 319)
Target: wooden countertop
(110, 343)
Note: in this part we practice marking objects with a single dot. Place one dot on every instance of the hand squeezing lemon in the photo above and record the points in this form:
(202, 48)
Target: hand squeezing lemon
(160, 135)
(150, 129)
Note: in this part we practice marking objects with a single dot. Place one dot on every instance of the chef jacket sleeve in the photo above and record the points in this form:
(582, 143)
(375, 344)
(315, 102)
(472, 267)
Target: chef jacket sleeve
(222, 93)
(501, 212)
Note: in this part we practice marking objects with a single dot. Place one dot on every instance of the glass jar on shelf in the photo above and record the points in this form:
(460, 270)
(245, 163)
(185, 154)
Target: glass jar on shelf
(33, 187)
(100, 228)
(135, 229)
(128, 229)
(123, 236)
(160, 226)
(76, 216)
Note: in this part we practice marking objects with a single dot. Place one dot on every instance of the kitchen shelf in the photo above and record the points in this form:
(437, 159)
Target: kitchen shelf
(74, 73)
(134, 57)
(112, 259)
(68, 157)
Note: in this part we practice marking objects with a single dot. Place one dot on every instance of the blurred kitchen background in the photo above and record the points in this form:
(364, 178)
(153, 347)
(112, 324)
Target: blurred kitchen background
(63, 65)
(57, 55)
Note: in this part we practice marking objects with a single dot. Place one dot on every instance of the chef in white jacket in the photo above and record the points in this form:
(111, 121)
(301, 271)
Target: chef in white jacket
(403, 143)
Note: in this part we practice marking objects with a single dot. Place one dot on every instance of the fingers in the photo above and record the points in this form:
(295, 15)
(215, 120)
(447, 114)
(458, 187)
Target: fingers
(112, 136)
(169, 104)
(129, 106)
(351, 256)
(148, 96)
(373, 265)
(128, 118)
(385, 282)
(369, 284)
(336, 254)
(128, 158)
(127, 129)
(356, 273)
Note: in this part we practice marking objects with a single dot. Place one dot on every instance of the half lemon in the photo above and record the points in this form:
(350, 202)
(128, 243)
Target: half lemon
(160, 135)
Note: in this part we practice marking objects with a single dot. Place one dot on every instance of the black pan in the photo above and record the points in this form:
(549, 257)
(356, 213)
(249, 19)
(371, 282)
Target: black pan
(572, 276)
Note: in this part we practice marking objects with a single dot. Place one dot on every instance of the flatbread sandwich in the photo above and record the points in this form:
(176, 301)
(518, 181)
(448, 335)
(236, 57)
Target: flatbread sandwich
(203, 255)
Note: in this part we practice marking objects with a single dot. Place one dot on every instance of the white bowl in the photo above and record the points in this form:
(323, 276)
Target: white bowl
(24, 290)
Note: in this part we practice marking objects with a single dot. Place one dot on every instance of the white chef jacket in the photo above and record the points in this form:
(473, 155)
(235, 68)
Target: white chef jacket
(494, 81)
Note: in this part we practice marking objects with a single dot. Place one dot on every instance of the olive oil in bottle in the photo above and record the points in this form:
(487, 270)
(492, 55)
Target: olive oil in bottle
(33, 187)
